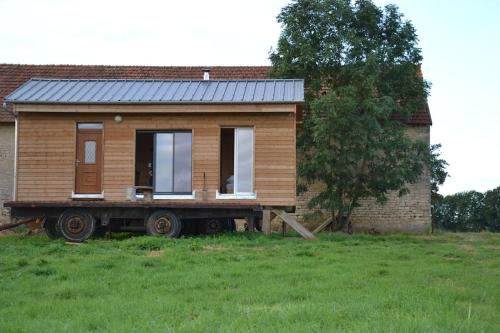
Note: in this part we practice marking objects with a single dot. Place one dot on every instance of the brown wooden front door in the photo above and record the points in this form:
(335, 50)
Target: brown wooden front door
(88, 160)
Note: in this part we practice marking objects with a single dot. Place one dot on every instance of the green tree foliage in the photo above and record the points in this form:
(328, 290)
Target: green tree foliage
(360, 64)
(438, 170)
(491, 211)
(461, 212)
(468, 211)
(438, 177)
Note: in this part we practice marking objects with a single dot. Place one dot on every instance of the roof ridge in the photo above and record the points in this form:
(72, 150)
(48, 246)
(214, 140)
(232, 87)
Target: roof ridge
(137, 66)
(161, 80)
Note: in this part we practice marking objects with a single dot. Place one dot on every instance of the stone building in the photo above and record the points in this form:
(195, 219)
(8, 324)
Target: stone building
(410, 213)
(6, 165)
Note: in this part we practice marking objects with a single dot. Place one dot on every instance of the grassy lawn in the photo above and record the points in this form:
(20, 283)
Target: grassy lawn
(249, 282)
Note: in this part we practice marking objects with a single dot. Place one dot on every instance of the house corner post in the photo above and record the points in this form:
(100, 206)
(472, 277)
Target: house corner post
(266, 221)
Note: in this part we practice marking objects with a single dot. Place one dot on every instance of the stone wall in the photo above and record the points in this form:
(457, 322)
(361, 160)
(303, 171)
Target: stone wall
(408, 214)
(6, 167)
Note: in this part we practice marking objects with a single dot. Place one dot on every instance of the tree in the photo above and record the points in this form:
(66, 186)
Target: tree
(461, 212)
(468, 211)
(491, 211)
(361, 66)
(438, 170)
(438, 177)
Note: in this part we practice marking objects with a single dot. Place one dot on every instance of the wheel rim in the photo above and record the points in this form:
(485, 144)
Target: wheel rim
(163, 225)
(75, 225)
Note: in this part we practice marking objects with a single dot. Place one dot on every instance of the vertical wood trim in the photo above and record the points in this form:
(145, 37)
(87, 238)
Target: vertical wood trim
(294, 153)
(192, 162)
(103, 146)
(75, 148)
(134, 148)
(266, 221)
(219, 158)
(254, 134)
(14, 190)
(235, 161)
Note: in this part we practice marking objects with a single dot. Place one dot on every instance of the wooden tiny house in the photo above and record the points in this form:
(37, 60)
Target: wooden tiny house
(99, 149)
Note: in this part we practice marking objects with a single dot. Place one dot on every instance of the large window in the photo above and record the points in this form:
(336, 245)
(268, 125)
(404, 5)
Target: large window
(172, 167)
(236, 156)
(163, 161)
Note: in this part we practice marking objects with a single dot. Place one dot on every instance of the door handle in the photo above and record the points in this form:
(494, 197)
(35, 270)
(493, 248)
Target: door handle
(77, 162)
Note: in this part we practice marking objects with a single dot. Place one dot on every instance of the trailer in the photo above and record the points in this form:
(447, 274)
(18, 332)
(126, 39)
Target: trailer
(76, 221)
(161, 156)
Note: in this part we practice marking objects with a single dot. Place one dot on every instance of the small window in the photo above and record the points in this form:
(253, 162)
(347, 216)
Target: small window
(90, 152)
(94, 126)
(236, 160)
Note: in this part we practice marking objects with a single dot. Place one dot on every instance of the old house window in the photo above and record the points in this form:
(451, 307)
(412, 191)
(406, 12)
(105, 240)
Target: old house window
(236, 162)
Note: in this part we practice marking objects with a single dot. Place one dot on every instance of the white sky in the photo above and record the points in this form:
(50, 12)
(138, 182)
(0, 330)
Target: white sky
(460, 41)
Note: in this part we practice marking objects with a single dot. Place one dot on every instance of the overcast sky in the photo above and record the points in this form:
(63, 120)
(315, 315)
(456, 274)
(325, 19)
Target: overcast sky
(460, 41)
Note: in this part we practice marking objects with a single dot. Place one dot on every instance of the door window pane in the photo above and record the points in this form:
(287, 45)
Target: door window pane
(164, 156)
(244, 160)
(90, 152)
(172, 167)
(182, 162)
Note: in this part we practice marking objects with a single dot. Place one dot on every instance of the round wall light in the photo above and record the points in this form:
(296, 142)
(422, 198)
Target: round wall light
(118, 118)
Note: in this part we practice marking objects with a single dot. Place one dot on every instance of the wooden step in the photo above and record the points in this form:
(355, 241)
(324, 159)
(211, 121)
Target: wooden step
(292, 222)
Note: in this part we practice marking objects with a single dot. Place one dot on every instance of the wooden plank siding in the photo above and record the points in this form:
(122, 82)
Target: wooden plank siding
(46, 151)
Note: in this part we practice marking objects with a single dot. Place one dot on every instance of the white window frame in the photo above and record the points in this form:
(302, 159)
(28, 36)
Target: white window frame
(87, 195)
(240, 195)
(171, 195)
(232, 196)
(191, 196)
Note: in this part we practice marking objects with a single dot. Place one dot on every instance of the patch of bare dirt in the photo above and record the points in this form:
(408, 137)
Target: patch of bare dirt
(158, 253)
(492, 247)
(217, 248)
(469, 248)
(5, 233)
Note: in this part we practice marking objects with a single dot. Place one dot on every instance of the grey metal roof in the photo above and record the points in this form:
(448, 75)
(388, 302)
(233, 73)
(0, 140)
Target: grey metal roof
(57, 91)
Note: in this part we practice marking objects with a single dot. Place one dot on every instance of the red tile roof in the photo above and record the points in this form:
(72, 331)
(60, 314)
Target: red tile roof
(12, 76)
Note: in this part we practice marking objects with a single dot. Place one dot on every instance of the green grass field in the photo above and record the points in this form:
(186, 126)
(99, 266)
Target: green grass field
(249, 282)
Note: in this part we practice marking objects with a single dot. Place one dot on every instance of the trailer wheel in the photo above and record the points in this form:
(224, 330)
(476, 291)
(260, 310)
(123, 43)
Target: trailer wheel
(165, 223)
(51, 229)
(76, 225)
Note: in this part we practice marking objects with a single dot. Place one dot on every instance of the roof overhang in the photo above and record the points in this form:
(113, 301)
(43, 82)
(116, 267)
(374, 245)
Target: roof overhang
(157, 108)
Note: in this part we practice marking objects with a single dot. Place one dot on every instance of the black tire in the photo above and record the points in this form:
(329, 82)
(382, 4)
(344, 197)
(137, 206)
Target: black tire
(52, 229)
(164, 223)
(213, 226)
(76, 225)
